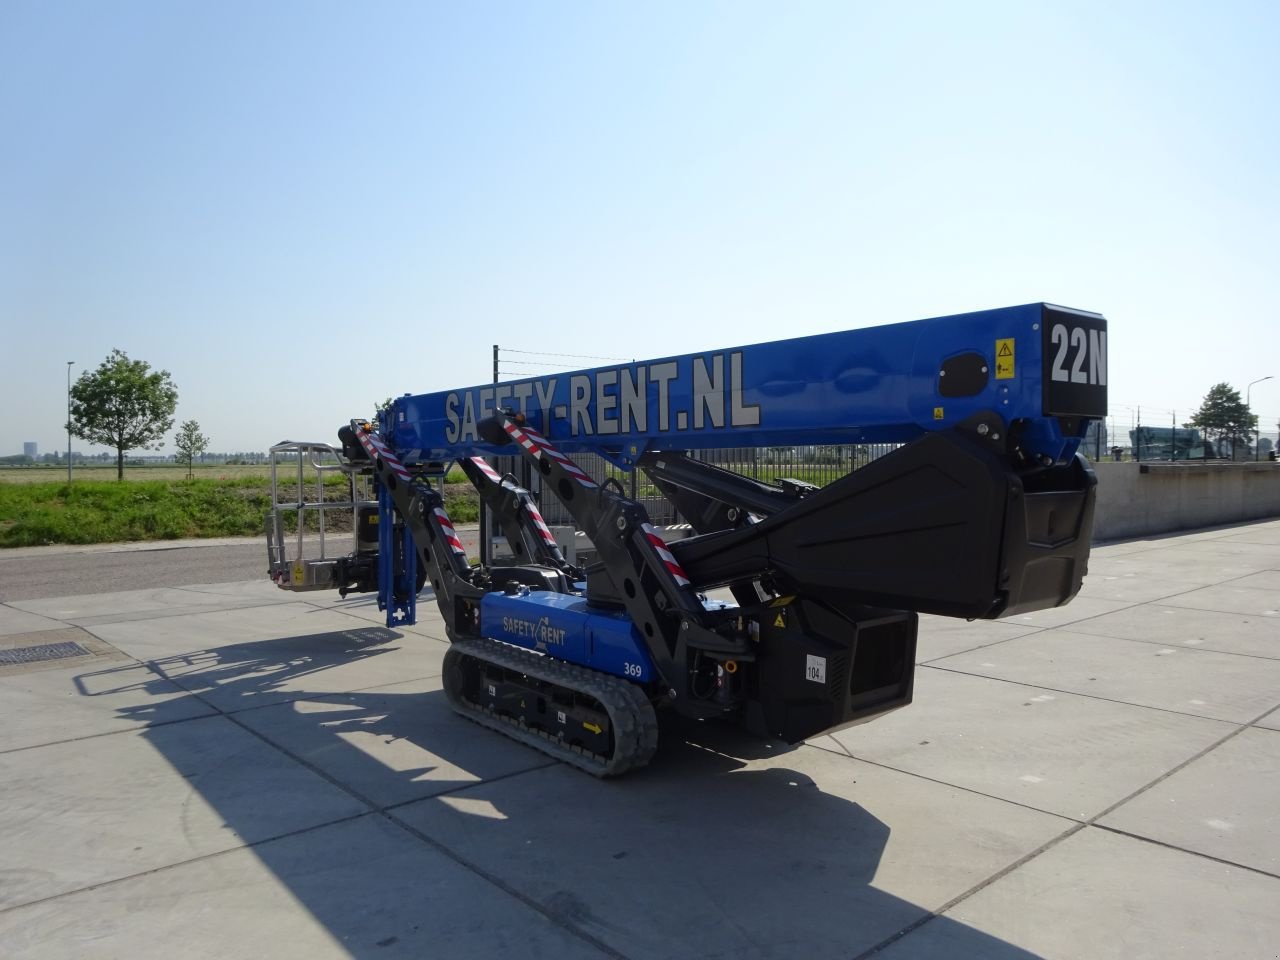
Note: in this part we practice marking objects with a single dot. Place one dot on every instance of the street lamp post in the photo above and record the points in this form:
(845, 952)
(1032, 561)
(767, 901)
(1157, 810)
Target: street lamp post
(69, 363)
(1250, 409)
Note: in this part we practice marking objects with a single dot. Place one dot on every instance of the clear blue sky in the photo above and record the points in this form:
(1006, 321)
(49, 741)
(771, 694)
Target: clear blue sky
(301, 208)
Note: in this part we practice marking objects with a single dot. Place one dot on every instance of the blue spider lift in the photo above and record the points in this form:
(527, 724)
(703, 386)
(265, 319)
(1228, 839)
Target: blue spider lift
(985, 510)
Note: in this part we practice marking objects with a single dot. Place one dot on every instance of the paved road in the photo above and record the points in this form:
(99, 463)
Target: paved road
(34, 573)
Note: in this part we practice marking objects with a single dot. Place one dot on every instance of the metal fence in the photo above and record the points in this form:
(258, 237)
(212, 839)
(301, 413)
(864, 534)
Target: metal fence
(818, 465)
(1149, 433)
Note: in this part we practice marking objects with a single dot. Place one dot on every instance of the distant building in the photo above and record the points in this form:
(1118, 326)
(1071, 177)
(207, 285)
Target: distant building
(30, 449)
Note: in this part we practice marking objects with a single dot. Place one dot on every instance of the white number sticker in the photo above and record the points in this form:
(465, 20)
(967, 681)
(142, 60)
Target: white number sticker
(815, 668)
(1089, 362)
(631, 670)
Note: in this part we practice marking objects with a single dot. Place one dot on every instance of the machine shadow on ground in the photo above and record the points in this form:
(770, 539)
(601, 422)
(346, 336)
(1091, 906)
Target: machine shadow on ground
(718, 848)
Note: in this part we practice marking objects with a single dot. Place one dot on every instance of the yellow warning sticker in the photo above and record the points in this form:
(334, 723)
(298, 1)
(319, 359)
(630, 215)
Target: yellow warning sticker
(782, 601)
(779, 620)
(299, 575)
(938, 414)
(1004, 359)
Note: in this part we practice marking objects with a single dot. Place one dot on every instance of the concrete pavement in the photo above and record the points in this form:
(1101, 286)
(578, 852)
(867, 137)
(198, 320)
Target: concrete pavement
(232, 771)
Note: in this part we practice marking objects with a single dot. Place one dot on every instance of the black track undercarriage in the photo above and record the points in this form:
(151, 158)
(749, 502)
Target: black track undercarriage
(590, 720)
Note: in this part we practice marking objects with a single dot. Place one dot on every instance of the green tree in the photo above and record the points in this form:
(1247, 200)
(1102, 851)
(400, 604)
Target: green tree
(190, 442)
(1224, 417)
(124, 405)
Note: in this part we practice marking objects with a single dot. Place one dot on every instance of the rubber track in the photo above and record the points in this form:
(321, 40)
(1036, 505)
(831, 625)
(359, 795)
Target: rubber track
(635, 726)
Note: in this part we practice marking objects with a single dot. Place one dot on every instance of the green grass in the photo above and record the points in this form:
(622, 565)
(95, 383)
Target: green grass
(106, 511)
(157, 502)
(102, 512)
(47, 473)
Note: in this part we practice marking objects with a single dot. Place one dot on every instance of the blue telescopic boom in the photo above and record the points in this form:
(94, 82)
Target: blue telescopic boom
(1037, 367)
